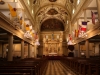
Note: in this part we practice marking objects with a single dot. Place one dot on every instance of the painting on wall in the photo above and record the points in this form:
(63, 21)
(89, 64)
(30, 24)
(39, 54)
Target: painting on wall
(52, 25)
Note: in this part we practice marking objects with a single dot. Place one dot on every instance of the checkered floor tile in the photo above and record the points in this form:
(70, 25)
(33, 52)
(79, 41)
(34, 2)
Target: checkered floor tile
(55, 67)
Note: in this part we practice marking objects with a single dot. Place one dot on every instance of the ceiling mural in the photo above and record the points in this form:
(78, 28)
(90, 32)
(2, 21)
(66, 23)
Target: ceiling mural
(52, 25)
(52, 12)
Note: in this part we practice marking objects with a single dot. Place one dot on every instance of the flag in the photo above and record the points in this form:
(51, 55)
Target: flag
(27, 27)
(79, 28)
(31, 32)
(84, 25)
(12, 11)
(76, 33)
(70, 38)
(20, 18)
(93, 17)
(36, 35)
(73, 34)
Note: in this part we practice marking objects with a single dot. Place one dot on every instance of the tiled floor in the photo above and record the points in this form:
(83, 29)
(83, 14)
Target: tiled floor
(55, 67)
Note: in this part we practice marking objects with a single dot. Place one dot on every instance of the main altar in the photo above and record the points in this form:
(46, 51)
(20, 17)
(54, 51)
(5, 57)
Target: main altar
(52, 44)
(53, 54)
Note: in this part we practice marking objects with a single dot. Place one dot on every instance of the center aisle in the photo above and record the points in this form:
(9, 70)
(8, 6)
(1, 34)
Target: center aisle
(55, 67)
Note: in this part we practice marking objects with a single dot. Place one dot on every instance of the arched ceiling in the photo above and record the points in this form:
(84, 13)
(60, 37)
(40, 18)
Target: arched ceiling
(52, 9)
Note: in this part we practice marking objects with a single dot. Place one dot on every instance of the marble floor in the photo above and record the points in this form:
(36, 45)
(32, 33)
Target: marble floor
(55, 67)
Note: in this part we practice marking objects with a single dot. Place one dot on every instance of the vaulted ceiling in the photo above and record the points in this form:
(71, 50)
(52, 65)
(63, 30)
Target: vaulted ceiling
(50, 14)
(49, 10)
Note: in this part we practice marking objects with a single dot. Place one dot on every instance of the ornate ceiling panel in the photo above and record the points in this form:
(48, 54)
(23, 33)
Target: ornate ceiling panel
(56, 9)
(52, 12)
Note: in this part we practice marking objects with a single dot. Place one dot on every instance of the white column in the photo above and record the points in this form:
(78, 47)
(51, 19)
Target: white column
(22, 49)
(70, 27)
(32, 51)
(10, 47)
(78, 45)
(85, 18)
(77, 23)
(23, 16)
(28, 50)
(87, 49)
(98, 7)
(85, 15)
(35, 51)
(4, 51)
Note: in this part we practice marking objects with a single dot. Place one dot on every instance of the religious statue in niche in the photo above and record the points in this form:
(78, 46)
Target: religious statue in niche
(52, 36)
(50, 50)
(55, 51)
(46, 49)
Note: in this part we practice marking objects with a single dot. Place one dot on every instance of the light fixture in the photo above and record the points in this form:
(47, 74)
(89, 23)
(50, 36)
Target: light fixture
(73, 11)
(82, 34)
(78, 1)
(27, 35)
(71, 42)
(37, 42)
(2, 2)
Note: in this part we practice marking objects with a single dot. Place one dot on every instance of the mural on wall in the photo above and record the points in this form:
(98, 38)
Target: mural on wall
(52, 25)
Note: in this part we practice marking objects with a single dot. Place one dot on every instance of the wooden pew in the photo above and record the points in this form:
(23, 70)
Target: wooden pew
(83, 66)
(29, 66)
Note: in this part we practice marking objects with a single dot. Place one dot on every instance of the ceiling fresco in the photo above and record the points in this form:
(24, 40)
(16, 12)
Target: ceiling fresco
(52, 25)
(52, 12)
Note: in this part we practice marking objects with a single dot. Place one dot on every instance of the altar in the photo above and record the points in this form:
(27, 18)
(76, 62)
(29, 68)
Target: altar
(53, 54)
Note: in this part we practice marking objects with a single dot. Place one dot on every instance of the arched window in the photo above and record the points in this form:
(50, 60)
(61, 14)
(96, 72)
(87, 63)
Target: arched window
(32, 11)
(28, 2)
(73, 11)
(78, 1)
